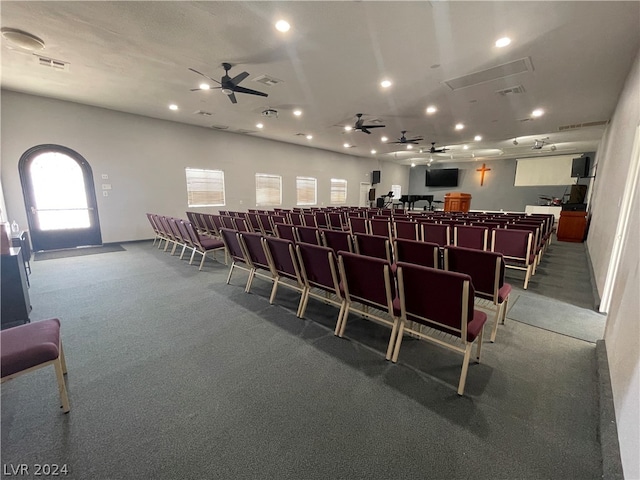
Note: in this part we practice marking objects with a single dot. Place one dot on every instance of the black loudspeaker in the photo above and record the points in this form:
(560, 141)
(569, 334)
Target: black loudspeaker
(380, 202)
(372, 194)
(375, 177)
(578, 192)
(580, 167)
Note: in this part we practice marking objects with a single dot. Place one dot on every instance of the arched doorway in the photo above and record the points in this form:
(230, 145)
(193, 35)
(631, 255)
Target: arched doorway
(60, 198)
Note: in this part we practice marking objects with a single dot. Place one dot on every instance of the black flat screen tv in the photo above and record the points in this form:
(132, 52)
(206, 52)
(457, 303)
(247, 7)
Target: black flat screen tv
(442, 177)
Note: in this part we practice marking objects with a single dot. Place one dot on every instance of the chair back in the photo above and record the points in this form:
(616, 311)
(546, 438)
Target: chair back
(308, 235)
(240, 224)
(358, 225)
(309, 220)
(282, 258)
(470, 236)
(296, 218)
(436, 298)
(254, 221)
(319, 267)
(486, 269)
(265, 223)
(419, 253)
(337, 240)
(321, 219)
(252, 244)
(406, 229)
(513, 244)
(373, 246)
(380, 226)
(232, 243)
(335, 221)
(366, 280)
(227, 222)
(286, 231)
(436, 233)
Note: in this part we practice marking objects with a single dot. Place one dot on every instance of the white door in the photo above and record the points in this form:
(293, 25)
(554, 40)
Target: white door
(364, 194)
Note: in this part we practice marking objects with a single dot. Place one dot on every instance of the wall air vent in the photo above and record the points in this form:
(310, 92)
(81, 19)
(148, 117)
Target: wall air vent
(51, 63)
(267, 80)
(511, 90)
(202, 113)
(582, 125)
(512, 68)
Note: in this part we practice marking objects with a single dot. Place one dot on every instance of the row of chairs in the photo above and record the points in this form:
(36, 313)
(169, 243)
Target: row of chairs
(407, 297)
(181, 233)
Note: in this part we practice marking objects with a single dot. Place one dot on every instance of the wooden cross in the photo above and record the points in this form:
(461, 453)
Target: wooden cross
(484, 169)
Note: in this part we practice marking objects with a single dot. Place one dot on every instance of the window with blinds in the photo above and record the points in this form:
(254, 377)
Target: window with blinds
(268, 190)
(306, 189)
(205, 188)
(338, 191)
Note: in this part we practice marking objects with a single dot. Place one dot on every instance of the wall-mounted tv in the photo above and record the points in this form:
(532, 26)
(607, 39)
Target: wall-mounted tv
(442, 177)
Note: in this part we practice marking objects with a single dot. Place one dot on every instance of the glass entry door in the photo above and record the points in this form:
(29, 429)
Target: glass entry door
(59, 194)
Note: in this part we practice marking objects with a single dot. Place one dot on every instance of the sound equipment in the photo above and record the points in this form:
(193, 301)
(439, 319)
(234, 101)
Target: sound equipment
(580, 167)
(380, 202)
(372, 194)
(375, 177)
(578, 192)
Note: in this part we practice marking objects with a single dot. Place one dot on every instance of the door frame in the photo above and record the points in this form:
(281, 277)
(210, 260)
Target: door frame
(67, 238)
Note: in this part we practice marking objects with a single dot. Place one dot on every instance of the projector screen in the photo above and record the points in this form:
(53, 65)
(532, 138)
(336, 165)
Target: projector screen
(532, 172)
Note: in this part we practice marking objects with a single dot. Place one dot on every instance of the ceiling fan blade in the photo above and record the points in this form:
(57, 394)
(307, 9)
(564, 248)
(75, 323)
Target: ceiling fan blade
(232, 97)
(373, 126)
(205, 76)
(238, 78)
(365, 130)
(249, 91)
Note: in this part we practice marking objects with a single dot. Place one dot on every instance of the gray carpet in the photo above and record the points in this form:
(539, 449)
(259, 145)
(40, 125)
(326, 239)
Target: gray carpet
(557, 316)
(173, 374)
(78, 252)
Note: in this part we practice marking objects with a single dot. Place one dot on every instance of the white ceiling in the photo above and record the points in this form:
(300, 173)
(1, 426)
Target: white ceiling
(134, 57)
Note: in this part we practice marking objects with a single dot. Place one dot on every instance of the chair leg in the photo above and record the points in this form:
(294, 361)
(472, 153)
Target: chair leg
(479, 347)
(343, 323)
(300, 311)
(252, 274)
(63, 361)
(465, 369)
(527, 277)
(392, 338)
(498, 318)
(204, 256)
(504, 310)
(276, 279)
(396, 347)
(233, 264)
(62, 389)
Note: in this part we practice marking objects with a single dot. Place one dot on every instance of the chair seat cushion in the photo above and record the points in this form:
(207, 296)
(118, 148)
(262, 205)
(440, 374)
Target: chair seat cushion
(475, 325)
(504, 292)
(211, 243)
(29, 345)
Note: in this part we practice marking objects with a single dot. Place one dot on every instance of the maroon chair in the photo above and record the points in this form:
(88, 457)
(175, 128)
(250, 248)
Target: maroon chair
(211, 228)
(321, 219)
(405, 229)
(358, 225)
(368, 281)
(185, 239)
(158, 234)
(308, 235)
(309, 220)
(469, 236)
(283, 261)
(32, 346)
(486, 270)
(436, 233)
(203, 245)
(319, 270)
(236, 252)
(380, 226)
(419, 253)
(296, 218)
(266, 227)
(443, 302)
(227, 222)
(217, 221)
(516, 246)
(336, 221)
(240, 224)
(252, 244)
(178, 238)
(337, 240)
(286, 232)
(254, 222)
(373, 246)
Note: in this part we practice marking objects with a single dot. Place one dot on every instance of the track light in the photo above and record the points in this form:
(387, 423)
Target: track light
(553, 148)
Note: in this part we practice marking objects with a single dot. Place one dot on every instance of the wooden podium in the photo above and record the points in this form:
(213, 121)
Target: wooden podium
(572, 226)
(457, 202)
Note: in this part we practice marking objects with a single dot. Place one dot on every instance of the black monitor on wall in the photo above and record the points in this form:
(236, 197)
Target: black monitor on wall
(442, 177)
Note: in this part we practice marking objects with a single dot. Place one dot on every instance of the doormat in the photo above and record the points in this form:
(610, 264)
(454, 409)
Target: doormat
(78, 252)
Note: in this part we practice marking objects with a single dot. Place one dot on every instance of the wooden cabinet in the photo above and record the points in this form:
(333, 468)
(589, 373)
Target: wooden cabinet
(16, 305)
(457, 202)
(572, 226)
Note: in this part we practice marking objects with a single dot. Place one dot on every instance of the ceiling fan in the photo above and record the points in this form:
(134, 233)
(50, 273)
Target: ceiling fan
(362, 127)
(230, 86)
(433, 148)
(404, 140)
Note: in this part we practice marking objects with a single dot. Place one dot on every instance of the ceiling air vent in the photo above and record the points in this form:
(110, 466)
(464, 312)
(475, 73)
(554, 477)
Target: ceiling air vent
(267, 80)
(494, 73)
(51, 63)
(247, 132)
(525, 119)
(219, 127)
(202, 113)
(511, 90)
(582, 125)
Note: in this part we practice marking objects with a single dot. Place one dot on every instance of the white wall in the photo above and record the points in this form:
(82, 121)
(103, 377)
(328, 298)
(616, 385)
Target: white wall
(622, 334)
(145, 159)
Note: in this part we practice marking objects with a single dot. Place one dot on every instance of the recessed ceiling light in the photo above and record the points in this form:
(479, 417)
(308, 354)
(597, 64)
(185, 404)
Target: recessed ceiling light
(431, 109)
(413, 164)
(297, 113)
(204, 86)
(259, 125)
(477, 138)
(346, 145)
(466, 147)
(309, 137)
(373, 152)
(385, 83)
(282, 26)
(384, 139)
(503, 42)
(22, 39)
(409, 147)
(459, 126)
(538, 112)
(173, 106)
(348, 128)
